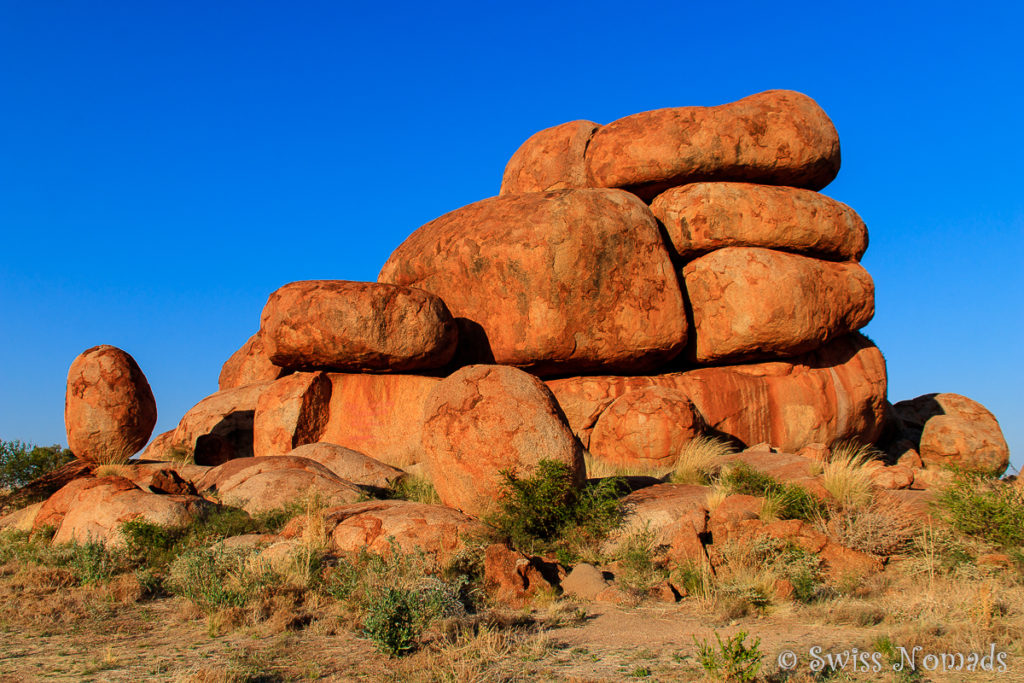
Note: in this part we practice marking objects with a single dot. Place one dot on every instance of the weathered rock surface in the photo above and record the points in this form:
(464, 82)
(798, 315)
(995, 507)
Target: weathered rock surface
(21, 520)
(379, 415)
(249, 365)
(552, 282)
(551, 159)
(702, 217)
(267, 483)
(109, 409)
(438, 531)
(676, 514)
(585, 582)
(645, 428)
(93, 509)
(754, 303)
(951, 429)
(361, 326)
(219, 428)
(778, 137)
(160, 448)
(833, 394)
(291, 412)
(487, 418)
(350, 465)
(513, 579)
(781, 466)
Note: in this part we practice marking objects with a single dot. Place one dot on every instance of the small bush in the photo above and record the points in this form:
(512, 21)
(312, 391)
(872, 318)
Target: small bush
(640, 569)
(789, 501)
(881, 529)
(538, 512)
(391, 622)
(984, 508)
(732, 660)
(21, 463)
(213, 578)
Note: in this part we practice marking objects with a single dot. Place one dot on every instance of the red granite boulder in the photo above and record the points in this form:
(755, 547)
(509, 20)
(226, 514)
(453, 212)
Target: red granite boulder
(551, 159)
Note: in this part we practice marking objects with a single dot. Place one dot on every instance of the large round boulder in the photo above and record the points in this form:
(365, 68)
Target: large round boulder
(950, 429)
(551, 159)
(485, 419)
(361, 326)
(552, 282)
(778, 137)
(702, 217)
(109, 409)
(751, 303)
(646, 429)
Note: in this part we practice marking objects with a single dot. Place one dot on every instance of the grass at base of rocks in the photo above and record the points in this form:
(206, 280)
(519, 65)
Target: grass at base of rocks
(788, 501)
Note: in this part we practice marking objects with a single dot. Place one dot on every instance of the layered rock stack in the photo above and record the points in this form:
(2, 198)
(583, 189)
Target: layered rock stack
(633, 286)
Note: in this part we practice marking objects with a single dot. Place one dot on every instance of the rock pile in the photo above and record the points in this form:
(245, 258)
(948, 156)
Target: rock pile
(633, 286)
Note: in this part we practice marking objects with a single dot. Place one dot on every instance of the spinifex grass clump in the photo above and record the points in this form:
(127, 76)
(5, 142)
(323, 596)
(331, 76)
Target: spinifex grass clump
(788, 501)
(546, 511)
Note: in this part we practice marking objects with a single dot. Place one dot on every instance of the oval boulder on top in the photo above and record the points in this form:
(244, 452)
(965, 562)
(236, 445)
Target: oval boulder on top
(362, 326)
(552, 282)
(778, 137)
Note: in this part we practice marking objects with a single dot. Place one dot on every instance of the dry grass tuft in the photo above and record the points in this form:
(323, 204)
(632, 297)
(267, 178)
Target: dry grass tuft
(845, 475)
(602, 469)
(698, 461)
(885, 527)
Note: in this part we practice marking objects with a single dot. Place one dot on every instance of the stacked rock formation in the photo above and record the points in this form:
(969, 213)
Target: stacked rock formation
(635, 285)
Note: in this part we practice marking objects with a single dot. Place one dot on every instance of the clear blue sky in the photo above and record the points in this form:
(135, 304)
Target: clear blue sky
(165, 166)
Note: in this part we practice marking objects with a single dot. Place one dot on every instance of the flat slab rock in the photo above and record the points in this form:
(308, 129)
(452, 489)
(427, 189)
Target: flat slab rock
(268, 483)
(702, 217)
(552, 282)
(361, 326)
(350, 465)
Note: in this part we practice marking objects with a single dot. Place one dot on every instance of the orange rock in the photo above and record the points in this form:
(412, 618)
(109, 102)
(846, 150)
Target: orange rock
(954, 430)
(484, 419)
(248, 365)
(662, 510)
(379, 415)
(648, 427)
(841, 561)
(702, 217)
(778, 137)
(109, 409)
(350, 465)
(551, 159)
(342, 325)
(735, 508)
(585, 582)
(160, 447)
(260, 484)
(833, 394)
(437, 531)
(552, 282)
(753, 303)
(94, 509)
(893, 477)
(291, 412)
(513, 578)
(219, 427)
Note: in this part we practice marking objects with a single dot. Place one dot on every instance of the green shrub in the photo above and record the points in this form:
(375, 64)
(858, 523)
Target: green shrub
(732, 660)
(21, 463)
(984, 508)
(540, 511)
(213, 578)
(640, 569)
(91, 562)
(391, 622)
(415, 488)
(791, 501)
